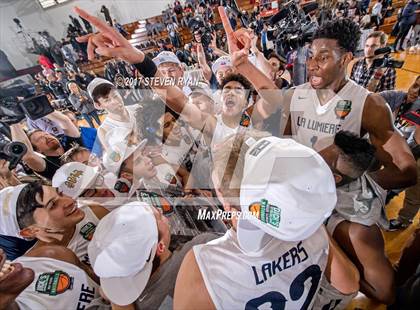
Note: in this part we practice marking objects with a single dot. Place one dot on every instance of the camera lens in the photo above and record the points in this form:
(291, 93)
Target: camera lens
(16, 149)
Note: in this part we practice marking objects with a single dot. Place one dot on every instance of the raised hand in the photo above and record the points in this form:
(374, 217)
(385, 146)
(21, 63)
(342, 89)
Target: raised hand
(4, 169)
(107, 41)
(239, 41)
(213, 44)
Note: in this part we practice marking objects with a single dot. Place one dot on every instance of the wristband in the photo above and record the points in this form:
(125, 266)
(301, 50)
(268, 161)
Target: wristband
(147, 68)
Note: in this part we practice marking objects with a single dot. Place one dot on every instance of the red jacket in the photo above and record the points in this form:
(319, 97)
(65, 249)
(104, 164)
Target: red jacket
(45, 62)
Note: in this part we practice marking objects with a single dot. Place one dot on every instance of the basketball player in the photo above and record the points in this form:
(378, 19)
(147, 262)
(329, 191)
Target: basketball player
(38, 211)
(314, 112)
(340, 104)
(50, 277)
(268, 256)
(144, 277)
(119, 118)
(355, 229)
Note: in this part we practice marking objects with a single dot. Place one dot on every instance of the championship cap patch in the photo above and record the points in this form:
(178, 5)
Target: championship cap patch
(87, 231)
(115, 156)
(54, 283)
(343, 108)
(266, 212)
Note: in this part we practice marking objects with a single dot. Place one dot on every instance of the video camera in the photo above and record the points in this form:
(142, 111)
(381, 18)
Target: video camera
(198, 26)
(386, 62)
(13, 111)
(12, 152)
(292, 27)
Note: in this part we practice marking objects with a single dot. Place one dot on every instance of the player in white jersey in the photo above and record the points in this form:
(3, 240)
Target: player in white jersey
(37, 211)
(314, 112)
(51, 277)
(279, 253)
(119, 118)
(130, 253)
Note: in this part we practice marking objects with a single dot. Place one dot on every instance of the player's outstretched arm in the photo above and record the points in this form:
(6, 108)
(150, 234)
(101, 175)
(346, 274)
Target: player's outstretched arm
(239, 43)
(399, 169)
(108, 42)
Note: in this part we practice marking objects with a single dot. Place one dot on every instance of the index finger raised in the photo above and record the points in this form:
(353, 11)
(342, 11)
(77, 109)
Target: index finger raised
(225, 20)
(98, 23)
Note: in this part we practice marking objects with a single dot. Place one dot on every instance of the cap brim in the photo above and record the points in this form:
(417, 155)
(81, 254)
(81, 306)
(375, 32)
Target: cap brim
(88, 183)
(295, 224)
(138, 147)
(250, 237)
(125, 290)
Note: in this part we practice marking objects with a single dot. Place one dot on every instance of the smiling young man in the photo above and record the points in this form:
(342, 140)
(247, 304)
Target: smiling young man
(123, 173)
(39, 211)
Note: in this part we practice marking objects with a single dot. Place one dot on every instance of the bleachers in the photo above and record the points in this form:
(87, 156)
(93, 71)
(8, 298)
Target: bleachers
(138, 34)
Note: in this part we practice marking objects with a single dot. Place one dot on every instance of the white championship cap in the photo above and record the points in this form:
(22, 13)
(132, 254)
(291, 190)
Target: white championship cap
(95, 83)
(119, 151)
(223, 61)
(203, 89)
(289, 189)
(72, 179)
(122, 251)
(165, 57)
(8, 218)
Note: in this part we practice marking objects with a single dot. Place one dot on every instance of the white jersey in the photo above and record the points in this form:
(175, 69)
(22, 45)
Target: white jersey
(314, 125)
(175, 155)
(57, 285)
(83, 234)
(222, 131)
(165, 179)
(125, 128)
(285, 274)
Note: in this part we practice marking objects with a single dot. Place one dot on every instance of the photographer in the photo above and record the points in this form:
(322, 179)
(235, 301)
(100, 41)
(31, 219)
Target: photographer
(363, 71)
(52, 148)
(56, 87)
(401, 103)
